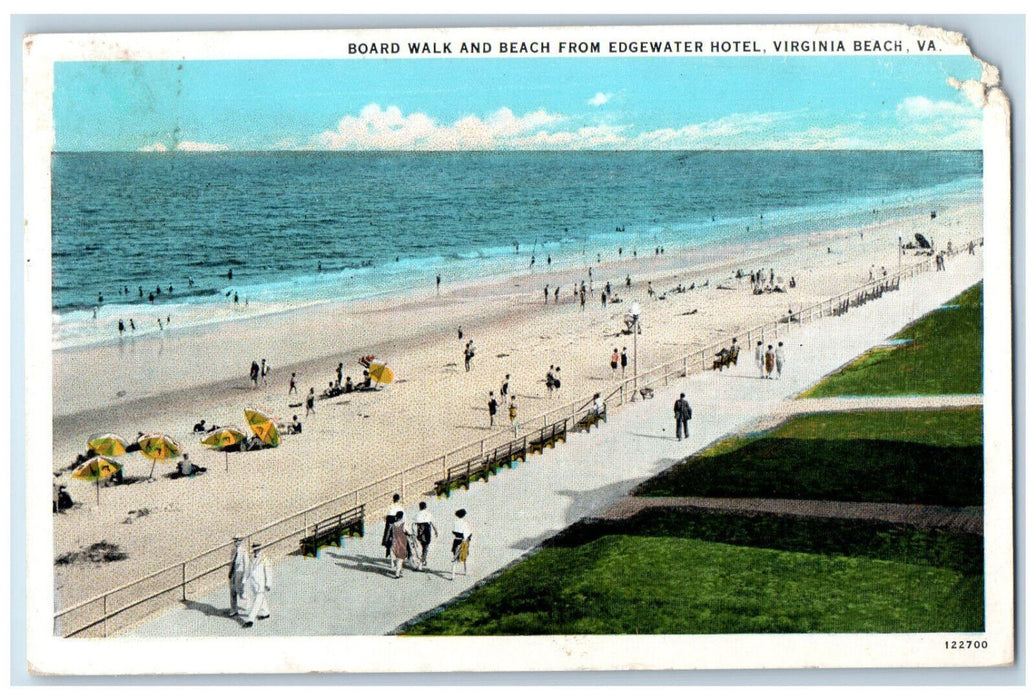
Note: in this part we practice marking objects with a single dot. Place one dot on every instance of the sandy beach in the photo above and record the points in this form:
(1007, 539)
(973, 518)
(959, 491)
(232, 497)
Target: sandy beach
(167, 383)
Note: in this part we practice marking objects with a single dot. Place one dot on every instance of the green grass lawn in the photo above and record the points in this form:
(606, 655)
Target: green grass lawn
(928, 457)
(632, 584)
(944, 357)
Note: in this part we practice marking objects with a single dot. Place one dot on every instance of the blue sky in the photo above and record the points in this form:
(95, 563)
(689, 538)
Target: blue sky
(889, 102)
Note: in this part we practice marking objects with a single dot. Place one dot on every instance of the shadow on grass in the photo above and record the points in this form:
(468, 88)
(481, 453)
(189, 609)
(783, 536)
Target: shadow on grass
(879, 471)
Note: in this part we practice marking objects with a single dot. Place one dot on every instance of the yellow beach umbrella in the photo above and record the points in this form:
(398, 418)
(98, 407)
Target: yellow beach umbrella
(156, 446)
(107, 444)
(97, 469)
(264, 426)
(381, 374)
(221, 439)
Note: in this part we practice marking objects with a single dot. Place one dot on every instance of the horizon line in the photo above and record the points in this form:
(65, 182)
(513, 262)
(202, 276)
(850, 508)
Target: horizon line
(255, 151)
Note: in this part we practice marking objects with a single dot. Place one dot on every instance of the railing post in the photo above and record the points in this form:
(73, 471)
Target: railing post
(183, 581)
(104, 611)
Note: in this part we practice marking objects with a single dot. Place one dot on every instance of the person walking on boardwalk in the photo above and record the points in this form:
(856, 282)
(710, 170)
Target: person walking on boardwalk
(399, 548)
(624, 360)
(424, 530)
(310, 401)
(550, 381)
(461, 542)
(505, 386)
(390, 517)
(259, 585)
(615, 361)
(236, 577)
(492, 408)
(682, 413)
(512, 411)
(759, 358)
(778, 358)
(768, 362)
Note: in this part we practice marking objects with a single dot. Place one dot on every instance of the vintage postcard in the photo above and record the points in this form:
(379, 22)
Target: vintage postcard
(555, 348)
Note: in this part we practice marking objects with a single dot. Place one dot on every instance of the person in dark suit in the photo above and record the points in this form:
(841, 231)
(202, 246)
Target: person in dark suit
(682, 413)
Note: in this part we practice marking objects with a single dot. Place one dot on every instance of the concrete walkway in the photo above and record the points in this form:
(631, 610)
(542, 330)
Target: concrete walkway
(348, 591)
(967, 519)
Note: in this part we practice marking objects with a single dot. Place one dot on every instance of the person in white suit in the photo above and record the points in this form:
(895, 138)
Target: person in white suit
(239, 565)
(259, 585)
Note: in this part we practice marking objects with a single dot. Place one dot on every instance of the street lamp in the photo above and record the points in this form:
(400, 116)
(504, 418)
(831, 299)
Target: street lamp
(635, 313)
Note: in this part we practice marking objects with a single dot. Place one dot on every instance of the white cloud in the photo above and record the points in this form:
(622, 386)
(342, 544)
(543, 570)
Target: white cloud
(389, 129)
(924, 108)
(599, 99)
(731, 131)
(917, 123)
(201, 147)
(185, 146)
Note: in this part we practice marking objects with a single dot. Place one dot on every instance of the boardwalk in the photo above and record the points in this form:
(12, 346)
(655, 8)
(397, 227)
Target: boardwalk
(348, 591)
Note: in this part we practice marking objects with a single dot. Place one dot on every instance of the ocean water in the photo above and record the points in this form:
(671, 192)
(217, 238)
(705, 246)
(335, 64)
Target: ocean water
(296, 228)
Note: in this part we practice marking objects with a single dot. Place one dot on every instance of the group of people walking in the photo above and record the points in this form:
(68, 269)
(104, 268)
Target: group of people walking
(257, 373)
(506, 395)
(404, 543)
(769, 361)
(619, 360)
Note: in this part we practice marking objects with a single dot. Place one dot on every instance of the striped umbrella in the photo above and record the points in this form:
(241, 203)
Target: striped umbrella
(156, 446)
(381, 374)
(221, 439)
(264, 426)
(97, 469)
(107, 444)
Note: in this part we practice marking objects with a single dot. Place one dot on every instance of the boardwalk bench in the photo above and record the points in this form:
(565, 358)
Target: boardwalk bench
(592, 418)
(725, 359)
(506, 455)
(463, 474)
(548, 436)
(332, 530)
(482, 466)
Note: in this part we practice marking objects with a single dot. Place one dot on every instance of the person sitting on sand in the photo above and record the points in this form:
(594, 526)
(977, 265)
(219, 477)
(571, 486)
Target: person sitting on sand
(199, 427)
(296, 426)
(366, 379)
(62, 499)
(349, 385)
(188, 468)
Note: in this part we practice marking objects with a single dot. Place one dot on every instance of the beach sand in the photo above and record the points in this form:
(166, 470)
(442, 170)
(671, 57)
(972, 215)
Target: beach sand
(168, 383)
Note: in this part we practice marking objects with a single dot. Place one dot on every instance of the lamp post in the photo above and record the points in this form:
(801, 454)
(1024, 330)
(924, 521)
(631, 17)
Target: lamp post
(635, 313)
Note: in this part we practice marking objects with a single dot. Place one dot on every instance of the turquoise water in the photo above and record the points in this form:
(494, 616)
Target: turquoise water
(297, 227)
